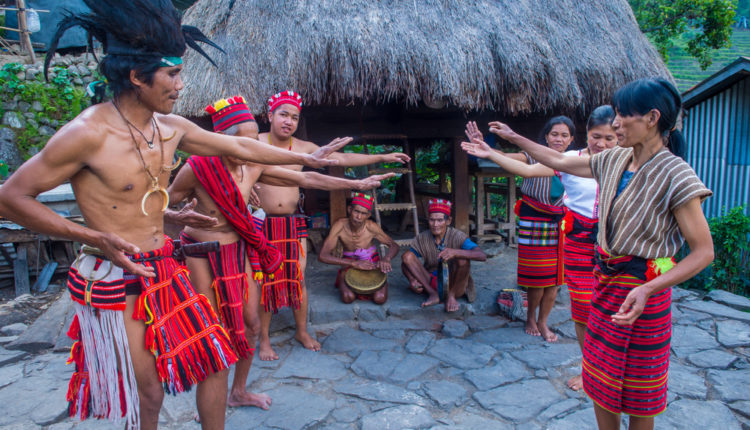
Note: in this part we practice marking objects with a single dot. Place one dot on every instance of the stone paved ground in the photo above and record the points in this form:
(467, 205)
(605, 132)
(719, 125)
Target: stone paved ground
(399, 366)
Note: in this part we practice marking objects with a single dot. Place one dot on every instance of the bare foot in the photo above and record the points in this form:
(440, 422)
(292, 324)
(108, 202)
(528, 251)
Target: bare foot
(307, 341)
(414, 286)
(532, 329)
(575, 383)
(547, 334)
(451, 305)
(265, 352)
(433, 299)
(244, 398)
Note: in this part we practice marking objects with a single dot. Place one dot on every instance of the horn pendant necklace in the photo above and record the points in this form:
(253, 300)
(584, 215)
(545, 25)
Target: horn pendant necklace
(155, 186)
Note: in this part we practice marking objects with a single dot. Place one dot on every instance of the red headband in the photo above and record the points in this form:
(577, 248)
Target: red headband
(364, 200)
(440, 206)
(228, 112)
(284, 97)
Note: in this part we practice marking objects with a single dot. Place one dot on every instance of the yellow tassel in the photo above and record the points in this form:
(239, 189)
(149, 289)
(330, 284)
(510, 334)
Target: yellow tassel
(663, 265)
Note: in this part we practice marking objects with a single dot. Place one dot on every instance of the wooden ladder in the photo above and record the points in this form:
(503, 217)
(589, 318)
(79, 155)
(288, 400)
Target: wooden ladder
(411, 205)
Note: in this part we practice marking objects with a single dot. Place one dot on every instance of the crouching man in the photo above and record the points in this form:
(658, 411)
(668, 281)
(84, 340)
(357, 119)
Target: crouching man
(442, 249)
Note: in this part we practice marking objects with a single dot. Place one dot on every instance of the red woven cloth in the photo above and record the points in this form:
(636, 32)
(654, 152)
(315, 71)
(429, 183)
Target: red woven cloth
(220, 185)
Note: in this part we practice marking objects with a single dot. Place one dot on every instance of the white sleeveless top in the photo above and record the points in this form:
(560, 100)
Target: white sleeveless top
(581, 194)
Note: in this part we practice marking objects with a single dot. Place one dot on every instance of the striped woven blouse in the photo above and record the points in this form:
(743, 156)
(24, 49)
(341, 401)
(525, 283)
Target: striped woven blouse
(639, 222)
(540, 188)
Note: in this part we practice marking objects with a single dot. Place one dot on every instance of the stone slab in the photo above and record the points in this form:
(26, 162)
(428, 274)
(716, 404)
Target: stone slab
(558, 409)
(485, 322)
(14, 329)
(519, 402)
(583, 419)
(506, 338)
(377, 391)
(376, 365)
(697, 414)
(732, 334)
(303, 363)
(461, 353)
(394, 334)
(742, 406)
(413, 367)
(9, 357)
(506, 370)
(730, 385)
(549, 355)
(688, 340)
(46, 329)
(347, 339)
(712, 358)
(445, 393)
(419, 342)
(455, 328)
(685, 382)
(397, 418)
(716, 309)
(732, 300)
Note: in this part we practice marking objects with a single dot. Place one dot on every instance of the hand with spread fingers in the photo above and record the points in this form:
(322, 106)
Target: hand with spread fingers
(449, 253)
(373, 181)
(115, 249)
(385, 266)
(633, 306)
(472, 131)
(477, 148)
(319, 158)
(189, 217)
(396, 157)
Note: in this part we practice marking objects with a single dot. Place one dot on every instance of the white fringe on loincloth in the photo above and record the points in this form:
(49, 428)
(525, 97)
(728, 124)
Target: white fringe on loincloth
(105, 345)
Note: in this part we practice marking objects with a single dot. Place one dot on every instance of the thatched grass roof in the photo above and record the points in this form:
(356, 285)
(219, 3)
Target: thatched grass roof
(510, 56)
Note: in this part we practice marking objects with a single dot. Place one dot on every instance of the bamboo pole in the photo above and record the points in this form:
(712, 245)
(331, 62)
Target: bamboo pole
(24, 32)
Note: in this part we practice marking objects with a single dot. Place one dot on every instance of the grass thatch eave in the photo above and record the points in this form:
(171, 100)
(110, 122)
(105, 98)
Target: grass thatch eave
(510, 56)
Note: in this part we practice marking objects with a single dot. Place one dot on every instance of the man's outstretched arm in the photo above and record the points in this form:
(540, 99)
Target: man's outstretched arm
(197, 141)
(283, 177)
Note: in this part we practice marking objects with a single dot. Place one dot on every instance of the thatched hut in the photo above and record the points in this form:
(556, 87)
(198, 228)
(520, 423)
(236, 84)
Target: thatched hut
(418, 67)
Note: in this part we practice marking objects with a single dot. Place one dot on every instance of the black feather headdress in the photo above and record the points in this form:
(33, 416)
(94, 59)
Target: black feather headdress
(142, 28)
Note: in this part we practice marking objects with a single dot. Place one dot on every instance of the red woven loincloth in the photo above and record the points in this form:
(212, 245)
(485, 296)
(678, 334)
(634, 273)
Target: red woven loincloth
(231, 288)
(283, 288)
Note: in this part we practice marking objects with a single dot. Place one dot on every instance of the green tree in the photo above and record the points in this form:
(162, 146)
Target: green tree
(706, 23)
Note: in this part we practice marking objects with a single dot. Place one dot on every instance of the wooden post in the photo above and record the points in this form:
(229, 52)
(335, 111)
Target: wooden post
(21, 270)
(23, 36)
(337, 206)
(461, 187)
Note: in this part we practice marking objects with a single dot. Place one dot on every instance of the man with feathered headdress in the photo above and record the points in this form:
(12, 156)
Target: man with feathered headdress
(139, 323)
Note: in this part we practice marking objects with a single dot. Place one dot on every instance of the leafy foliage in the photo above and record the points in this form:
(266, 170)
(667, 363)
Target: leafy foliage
(730, 270)
(60, 100)
(706, 22)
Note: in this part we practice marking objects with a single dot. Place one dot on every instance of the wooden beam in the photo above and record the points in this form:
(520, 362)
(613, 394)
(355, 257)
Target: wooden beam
(24, 34)
(461, 187)
(337, 206)
(21, 271)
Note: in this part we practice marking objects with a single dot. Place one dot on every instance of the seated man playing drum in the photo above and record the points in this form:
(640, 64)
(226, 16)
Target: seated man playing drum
(444, 273)
(363, 274)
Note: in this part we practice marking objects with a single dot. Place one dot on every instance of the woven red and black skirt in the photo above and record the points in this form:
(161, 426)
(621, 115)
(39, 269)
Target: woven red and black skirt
(182, 329)
(540, 244)
(579, 254)
(230, 287)
(283, 288)
(625, 367)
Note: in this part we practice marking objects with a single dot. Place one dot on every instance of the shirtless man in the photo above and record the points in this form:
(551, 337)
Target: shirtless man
(357, 233)
(230, 274)
(441, 243)
(280, 204)
(118, 175)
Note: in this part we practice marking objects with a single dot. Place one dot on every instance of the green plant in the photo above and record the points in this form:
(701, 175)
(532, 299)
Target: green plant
(730, 269)
(60, 100)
